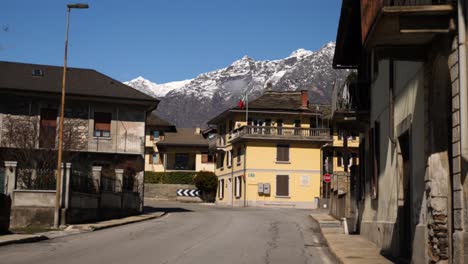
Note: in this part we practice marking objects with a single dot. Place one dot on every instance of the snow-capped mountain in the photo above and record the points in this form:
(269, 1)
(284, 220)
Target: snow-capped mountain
(154, 89)
(193, 102)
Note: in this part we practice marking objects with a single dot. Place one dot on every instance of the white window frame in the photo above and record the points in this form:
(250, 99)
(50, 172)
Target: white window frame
(229, 159)
(238, 186)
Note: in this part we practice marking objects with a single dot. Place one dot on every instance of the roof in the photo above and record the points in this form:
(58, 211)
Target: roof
(154, 119)
(83, 82)
(348, 38)
(184, 137)
(273, 101)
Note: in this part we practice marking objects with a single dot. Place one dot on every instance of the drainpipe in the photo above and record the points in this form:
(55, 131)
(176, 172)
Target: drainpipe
(245, 175)
(463, 80)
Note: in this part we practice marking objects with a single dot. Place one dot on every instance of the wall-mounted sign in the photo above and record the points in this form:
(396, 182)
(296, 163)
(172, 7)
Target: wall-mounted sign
(327, 177)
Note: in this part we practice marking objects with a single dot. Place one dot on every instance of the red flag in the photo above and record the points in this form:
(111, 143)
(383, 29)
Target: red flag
(241, 103)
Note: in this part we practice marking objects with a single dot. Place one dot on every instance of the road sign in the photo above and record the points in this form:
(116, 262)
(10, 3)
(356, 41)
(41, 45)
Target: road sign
(327, 177)
(188, 192)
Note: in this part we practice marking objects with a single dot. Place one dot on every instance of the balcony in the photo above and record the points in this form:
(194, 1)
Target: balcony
(123, 143)
(280, 133)
(393, 20)
(216, 142)
(350, 102)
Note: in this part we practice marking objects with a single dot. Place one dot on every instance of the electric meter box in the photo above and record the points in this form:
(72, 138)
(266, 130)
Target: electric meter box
(260, 187)
(266, 188)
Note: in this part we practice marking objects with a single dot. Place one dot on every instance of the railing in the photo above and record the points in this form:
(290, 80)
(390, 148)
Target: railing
(83, 183)
(130, 184)
(110, 184)
(123, 143)
(371, 8)
(281, 132)
(217, 141)
(35, 179)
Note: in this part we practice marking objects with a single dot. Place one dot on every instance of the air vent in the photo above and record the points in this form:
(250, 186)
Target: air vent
(37, 72)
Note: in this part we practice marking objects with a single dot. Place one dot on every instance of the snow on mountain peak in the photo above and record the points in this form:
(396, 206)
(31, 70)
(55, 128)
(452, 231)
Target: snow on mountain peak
(300, 53)
(154, 89)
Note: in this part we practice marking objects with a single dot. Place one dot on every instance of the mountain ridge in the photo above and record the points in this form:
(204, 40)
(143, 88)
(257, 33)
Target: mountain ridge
(193, 102)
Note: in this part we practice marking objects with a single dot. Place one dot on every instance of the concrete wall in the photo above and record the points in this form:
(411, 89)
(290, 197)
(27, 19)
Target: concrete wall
(380, 215)
(24, 198)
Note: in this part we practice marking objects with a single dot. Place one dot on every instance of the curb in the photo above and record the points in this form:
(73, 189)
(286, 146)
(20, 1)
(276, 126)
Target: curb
(332, 251)
(96, 228)
(24, 240)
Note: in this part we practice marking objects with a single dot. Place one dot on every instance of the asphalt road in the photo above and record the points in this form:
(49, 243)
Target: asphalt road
(189, 233)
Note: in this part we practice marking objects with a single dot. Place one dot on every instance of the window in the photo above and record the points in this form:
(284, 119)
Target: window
(239, 154)
(229, 159)
(339, 158)
(340, 134)
(282, 185)
(221, 189)
(207, 158)
(220, 160)
(155, 135)
(282, 153)
(155, 159)
(37, 72)
(238, 186)
(102, 124)
(181, 161)
(297, 126)
(279, 123)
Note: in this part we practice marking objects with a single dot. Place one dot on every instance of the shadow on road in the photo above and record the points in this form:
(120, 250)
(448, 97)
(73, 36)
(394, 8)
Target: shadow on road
(151, 209)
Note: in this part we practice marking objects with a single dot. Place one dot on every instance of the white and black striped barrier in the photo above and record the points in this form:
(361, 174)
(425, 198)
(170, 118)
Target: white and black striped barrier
(188, 192)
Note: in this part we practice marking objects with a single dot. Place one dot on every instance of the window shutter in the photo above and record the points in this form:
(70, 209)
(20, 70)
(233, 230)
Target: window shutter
(282, 152)
(204, 158)
(282, 185)
(151, 159)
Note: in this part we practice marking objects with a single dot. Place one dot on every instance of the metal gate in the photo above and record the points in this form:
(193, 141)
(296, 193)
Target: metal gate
(2, 180)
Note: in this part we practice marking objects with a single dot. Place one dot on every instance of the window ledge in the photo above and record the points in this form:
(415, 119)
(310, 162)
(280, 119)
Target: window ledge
(283, 197)
(283, 162)
(104, 138)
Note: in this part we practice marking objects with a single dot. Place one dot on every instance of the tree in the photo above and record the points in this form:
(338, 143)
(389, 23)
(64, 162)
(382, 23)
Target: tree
(34, 147)
(207, 183)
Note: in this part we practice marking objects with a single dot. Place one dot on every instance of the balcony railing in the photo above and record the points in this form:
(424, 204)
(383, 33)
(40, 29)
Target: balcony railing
(123, 143)
(217, 141)
(371, 8)
(281, 133)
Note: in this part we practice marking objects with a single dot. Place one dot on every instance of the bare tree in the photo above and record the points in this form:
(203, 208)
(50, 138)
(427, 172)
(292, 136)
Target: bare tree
(34, 146)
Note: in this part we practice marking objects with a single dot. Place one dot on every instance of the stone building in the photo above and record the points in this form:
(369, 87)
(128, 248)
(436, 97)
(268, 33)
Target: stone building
(411, 62)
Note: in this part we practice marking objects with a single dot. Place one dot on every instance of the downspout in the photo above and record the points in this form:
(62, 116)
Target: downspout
(245, 175)
(463, 82)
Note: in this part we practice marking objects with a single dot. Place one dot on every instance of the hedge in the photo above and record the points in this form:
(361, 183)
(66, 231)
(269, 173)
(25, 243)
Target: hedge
(173, 177)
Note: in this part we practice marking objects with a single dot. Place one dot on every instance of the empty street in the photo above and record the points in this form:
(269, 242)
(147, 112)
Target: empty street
(189, 233)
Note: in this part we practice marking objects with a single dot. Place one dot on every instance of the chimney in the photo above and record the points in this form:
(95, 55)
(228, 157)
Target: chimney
(304, 99)
(197, 130)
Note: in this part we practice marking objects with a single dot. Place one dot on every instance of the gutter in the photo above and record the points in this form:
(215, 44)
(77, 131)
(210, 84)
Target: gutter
(462, 57)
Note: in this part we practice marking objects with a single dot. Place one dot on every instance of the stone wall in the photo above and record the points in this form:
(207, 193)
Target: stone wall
(168, 192)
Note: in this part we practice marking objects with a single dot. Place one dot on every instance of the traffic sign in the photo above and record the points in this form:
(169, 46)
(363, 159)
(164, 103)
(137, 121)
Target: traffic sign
(327, 177)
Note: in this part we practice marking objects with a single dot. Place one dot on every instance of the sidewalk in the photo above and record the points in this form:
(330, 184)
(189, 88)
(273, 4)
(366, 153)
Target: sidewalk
(352, 249)
(76, 229)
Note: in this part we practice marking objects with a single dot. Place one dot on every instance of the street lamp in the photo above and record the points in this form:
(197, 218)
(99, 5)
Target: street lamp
(62, 107)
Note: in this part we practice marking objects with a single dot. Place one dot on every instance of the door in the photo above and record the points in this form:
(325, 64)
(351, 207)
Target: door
(404, 206)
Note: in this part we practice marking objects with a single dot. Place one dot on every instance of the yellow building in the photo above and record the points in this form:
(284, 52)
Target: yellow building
(171, 149)
(273, 159)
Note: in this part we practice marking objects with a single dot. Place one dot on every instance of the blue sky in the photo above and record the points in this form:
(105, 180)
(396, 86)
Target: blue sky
(163, 40)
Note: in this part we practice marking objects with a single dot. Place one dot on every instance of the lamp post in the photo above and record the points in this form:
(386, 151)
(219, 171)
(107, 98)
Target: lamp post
(62, 107)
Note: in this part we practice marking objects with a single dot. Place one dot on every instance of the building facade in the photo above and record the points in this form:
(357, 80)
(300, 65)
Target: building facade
(273, 157)
(410, 57)
(171, 149)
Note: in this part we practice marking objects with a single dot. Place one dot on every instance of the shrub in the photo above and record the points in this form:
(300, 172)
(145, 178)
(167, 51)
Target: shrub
(207, 183)
(169, 177)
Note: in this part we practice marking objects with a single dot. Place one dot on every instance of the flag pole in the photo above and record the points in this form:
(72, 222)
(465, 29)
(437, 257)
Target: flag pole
(246, 108)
